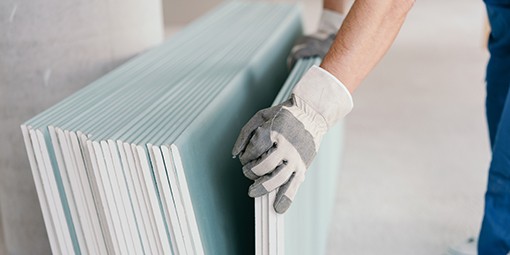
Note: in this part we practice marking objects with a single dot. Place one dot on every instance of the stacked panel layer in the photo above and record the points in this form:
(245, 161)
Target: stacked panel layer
(138, 162)
(304, 228)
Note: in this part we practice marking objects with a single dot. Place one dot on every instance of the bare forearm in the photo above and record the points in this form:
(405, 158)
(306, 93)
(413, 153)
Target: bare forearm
(365, 36)
(340, 6)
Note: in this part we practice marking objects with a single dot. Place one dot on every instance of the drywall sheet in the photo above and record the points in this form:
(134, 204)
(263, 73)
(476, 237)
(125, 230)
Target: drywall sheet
(303, 229)
(138, 162)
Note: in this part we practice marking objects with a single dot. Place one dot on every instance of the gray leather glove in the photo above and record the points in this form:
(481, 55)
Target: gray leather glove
(279, 143)
(318, 43)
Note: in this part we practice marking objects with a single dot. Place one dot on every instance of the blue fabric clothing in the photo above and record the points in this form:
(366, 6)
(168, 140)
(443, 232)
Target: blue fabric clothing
(494, 236)
(498, 2)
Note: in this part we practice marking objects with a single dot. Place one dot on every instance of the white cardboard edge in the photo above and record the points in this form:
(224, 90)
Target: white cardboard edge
(142, 156)
(140, 227)
(147, 222)
(177, 197)
(90, 205)
(49, 182)
(258, 226)
(100, 198)
(110, 199)
(146, 189)
(183, 184)
(169, 203)
(126, 204)
(69, 181)
(265, 226)
(48, 221)
(119, 200)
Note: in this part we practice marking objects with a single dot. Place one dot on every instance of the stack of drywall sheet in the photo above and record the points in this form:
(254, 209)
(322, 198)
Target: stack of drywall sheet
(138, 162)
(303, 229)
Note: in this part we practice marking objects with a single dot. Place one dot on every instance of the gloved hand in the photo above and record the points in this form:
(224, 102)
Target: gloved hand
(318, 43)
(279, 143)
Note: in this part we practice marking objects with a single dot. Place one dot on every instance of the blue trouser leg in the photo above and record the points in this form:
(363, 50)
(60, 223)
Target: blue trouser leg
(495, 233)
(498, 69)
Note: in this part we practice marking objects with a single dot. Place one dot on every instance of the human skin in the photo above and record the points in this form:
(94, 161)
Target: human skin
(364, 37)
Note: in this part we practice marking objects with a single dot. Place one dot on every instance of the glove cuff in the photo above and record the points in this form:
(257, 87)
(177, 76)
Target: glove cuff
(325, 94)
(330, 21)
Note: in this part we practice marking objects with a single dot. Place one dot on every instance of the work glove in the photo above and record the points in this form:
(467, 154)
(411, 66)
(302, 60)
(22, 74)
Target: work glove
(278, 144)
(318, 43)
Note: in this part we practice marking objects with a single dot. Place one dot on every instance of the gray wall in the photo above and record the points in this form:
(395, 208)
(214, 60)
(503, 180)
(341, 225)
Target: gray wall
(180, 12)
(48, 50)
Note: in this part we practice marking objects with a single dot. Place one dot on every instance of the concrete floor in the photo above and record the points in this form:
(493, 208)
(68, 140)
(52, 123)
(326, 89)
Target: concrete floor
(417, 150)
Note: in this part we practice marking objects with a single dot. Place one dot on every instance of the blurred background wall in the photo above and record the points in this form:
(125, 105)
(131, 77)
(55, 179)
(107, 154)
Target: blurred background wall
(48, 50)
(178, 13)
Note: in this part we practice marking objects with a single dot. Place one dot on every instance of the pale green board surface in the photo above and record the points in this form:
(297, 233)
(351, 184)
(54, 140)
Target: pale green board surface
(307, 222)
(224, 212)
(217, 185)
(105, 109)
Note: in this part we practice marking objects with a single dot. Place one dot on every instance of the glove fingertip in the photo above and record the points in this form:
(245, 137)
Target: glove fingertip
(238, 147)
(249, 173)
(282, 204)
(257, 190)
(244, 136)
(235, 152)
